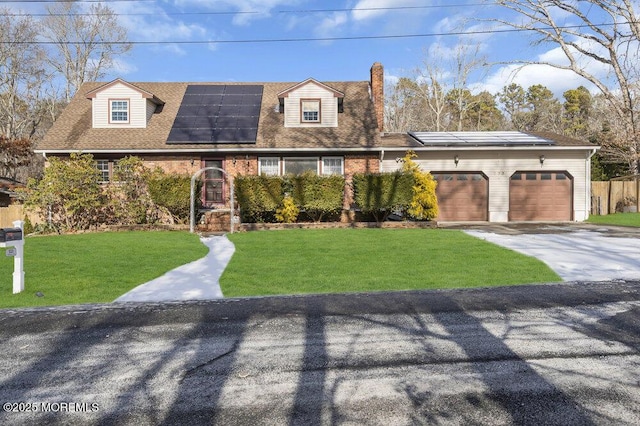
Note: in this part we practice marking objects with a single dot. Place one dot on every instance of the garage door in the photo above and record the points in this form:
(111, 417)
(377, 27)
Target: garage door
(462, 196)
(540, 196)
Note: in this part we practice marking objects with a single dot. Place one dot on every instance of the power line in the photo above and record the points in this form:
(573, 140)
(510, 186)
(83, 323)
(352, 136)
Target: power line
(250, 12)
(311, 39)
(78, 1)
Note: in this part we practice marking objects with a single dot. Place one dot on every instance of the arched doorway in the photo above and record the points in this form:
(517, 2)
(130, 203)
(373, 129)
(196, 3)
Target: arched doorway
(192, 214)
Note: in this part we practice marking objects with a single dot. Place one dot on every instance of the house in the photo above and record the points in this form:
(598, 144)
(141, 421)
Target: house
(503, 176)
(326, 127)
(8, 192)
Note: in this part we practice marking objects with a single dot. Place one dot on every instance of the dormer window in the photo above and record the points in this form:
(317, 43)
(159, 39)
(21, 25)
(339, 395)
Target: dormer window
(119, 111)
(310, 109)
(122, 105)
(310, 104)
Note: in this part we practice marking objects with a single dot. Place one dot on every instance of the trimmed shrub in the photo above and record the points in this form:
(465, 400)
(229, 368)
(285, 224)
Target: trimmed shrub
(288, 213)
(259, 197)
(424, 203)
(69, 193)
(318, 196)
(129, 196)
(381, 194)
(173, 192)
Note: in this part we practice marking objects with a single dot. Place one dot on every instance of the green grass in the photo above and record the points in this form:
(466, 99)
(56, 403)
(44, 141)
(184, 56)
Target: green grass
(353, 260)
(621, 219)
(96, 267)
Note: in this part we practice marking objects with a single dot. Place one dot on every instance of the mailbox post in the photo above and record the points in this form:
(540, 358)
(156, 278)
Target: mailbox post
(13, 239)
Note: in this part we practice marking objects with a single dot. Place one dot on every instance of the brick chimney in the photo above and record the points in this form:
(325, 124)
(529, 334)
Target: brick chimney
(377, 93)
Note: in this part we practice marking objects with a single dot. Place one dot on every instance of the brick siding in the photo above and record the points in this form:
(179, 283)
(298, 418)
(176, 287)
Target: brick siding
(248, 165)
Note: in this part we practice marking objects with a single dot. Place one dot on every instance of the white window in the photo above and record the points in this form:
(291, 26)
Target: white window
(119, 111)
(103, 168)
(310, 110)
(297, 166)
(269, 166)
(332, 166)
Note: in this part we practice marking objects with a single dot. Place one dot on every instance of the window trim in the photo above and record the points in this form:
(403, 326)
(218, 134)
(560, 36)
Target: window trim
(108, 171)
(302, 119)
(111, 111)
(333, 157)
(284, 163)
(260, 172)
(320, 168)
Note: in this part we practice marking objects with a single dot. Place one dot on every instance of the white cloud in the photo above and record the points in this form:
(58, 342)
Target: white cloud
(122, 67)
(556, 79)
(248, 10)
(329, 25)
(358, 14)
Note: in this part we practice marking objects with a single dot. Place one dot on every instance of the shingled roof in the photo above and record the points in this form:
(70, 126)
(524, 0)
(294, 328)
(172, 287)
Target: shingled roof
(73, 130)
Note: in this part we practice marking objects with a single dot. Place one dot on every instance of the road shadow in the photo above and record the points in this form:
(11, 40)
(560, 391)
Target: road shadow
(310, 394)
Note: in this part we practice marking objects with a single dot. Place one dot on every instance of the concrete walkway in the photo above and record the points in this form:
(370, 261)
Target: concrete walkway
(198, 280)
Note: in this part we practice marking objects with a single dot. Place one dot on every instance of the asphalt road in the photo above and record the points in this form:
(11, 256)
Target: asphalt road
(549, 354)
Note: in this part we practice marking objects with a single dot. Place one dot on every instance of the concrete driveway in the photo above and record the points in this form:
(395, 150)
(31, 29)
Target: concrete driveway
(574, 251)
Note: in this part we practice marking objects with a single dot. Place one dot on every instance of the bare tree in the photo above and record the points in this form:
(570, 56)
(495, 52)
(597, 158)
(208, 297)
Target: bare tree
(85, 44)
(438, 92)
(21, 73)
(432, 77)
(403, 104)
(467, 60)
(607, 33)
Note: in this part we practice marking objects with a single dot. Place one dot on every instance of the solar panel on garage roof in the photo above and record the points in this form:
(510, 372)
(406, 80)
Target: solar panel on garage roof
(217, 114)
(479, 139)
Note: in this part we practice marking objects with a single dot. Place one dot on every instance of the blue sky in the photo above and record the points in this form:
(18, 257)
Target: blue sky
(208, 40)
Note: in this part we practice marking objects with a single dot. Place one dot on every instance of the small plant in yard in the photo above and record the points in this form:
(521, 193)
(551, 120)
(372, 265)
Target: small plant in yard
(69, 194)
(424, 203)
(288, 213)
(627, 204)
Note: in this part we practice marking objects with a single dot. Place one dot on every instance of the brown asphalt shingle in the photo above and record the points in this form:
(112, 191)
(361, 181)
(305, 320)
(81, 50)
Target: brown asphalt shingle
(357, 127)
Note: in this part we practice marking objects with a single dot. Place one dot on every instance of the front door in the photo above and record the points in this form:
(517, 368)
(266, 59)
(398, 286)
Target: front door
(213, 190)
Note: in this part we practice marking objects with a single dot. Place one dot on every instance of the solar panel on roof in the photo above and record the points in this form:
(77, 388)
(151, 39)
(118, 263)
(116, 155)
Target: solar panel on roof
(217, 114)
(479, 139)
(183, 122)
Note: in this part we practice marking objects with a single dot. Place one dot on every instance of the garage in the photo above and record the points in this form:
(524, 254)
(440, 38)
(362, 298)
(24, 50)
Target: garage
(462, 196)
(540, 196)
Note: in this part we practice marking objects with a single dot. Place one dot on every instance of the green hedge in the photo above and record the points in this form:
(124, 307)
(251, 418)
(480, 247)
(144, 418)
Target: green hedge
(381, 194)
(172, 192)
(318, 196)
(259, 197)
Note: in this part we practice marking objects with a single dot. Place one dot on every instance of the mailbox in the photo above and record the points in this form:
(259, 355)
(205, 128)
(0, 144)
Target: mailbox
(12, 239)
(10, 234)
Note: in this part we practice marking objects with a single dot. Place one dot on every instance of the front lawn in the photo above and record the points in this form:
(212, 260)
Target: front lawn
(621, 219)
(96, 267)
(352, 260)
